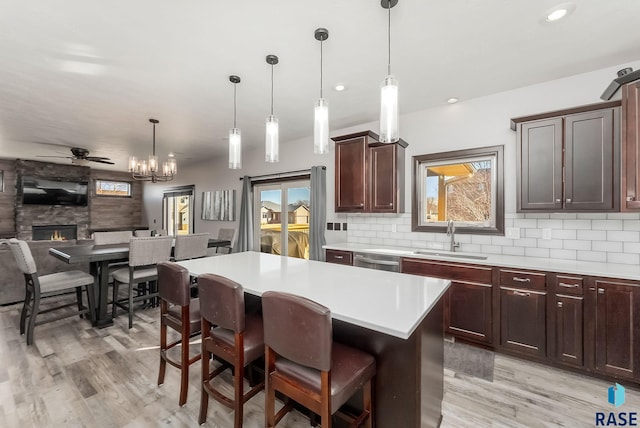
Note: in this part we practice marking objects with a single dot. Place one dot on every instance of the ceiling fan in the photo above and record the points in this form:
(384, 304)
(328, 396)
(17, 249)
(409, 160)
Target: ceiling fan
(78, 153)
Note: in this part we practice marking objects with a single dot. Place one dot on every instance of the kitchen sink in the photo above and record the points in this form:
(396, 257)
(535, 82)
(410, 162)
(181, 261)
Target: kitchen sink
(441, 253)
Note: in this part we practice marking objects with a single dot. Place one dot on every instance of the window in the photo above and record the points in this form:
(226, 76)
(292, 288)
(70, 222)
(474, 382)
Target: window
(178, 212)
(465, 186)
(113, 188)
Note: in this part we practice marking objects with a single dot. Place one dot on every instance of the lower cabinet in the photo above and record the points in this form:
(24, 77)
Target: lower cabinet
(617, 328)
(339, 256)
(523, 321)
(468, 304)
(569, 327)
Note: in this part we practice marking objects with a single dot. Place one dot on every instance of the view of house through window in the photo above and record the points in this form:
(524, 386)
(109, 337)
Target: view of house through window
(283, 211)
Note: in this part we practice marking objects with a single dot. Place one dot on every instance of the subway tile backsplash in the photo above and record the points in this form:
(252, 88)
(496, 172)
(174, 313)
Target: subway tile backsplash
(598, 237)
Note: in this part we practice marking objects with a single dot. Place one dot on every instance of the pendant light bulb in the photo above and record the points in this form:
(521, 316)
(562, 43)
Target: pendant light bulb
(235, 138)
(271, 141)
(321, 109)
(389, 124)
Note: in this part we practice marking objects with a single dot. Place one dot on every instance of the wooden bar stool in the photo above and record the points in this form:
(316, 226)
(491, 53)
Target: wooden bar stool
(303, 363)
(181, 313)
(231, 336)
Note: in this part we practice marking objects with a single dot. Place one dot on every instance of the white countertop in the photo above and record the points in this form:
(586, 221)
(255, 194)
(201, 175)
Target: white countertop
(388, 302)
(612, 270)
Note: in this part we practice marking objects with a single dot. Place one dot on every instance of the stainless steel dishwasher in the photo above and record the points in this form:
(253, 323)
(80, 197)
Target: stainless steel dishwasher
(377, 261)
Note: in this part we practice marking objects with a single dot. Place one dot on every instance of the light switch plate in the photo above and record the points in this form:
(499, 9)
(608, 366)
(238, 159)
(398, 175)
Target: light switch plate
(546, 233)
(513, 232)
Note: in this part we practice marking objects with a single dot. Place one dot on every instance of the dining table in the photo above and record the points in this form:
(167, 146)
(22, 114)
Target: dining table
(99, 257)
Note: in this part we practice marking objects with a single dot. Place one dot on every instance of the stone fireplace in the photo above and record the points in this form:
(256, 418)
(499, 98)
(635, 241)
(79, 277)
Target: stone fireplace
(54, 232)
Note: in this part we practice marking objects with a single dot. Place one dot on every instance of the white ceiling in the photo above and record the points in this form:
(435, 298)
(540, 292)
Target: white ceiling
(90, 73)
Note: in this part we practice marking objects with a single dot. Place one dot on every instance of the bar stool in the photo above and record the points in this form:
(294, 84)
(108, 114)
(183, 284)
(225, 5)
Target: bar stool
(181, 313)
(230, 335)
(303, 363)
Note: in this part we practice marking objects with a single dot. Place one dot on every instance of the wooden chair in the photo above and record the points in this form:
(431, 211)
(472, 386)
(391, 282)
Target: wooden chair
(191, 246)
(144, 255)
(181, 313)
(39, 287)
(302, 361)
(231, 336)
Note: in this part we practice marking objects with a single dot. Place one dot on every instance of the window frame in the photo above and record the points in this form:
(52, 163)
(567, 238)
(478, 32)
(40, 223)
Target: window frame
(459, 156)
(95, 188)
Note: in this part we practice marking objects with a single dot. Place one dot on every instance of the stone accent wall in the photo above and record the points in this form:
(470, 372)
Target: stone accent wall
(110, 212)
(7, 197)
(28, 215)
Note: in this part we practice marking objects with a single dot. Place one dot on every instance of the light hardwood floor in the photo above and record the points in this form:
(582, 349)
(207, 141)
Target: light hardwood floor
(78, 376)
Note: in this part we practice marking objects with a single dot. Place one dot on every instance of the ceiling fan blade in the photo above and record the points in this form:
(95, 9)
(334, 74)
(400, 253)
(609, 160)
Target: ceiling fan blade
(96, 158)
(101, 161)
(59, 157)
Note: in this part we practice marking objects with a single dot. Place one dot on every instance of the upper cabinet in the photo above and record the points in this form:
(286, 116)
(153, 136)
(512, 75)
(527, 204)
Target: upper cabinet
(369, 174)
(569, 160)
(631, 146)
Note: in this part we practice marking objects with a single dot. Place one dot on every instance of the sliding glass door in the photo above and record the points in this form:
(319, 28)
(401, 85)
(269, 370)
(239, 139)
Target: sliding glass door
(282, 210)
(178, 213)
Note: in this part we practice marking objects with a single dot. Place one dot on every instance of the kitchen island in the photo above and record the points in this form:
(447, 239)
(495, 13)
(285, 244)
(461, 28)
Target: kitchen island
(395, 317)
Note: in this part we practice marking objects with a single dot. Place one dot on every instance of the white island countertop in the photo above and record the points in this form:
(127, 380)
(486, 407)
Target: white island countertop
(577, 267)
(388, 302)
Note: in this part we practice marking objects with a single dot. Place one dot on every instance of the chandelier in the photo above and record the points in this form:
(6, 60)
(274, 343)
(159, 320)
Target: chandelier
(148, 170)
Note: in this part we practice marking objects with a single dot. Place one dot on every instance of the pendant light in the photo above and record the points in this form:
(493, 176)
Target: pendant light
(235, 139)
(143, 171)
(321, 110)
(271, 135)
(389, 132)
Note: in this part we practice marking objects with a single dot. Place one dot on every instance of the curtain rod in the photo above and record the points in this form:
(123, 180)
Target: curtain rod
(281, 174)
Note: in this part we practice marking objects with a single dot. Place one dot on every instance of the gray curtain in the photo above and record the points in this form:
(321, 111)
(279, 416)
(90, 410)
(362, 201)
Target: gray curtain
(245, 222)
(318, 212)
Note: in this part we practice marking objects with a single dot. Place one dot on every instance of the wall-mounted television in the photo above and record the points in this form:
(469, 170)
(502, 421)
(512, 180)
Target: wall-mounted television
(51, 191)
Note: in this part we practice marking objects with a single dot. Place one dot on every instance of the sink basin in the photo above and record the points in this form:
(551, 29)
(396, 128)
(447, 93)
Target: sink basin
(442, 253)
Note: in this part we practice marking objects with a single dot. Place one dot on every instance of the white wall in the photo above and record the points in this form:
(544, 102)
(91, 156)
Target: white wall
(477, 122)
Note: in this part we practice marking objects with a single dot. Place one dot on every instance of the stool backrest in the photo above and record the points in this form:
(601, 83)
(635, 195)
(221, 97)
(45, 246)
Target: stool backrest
(174, 285)
(298, 329)
(117, 237)
(191, 246)
(149, 251)
(22, 254)
(221, 302)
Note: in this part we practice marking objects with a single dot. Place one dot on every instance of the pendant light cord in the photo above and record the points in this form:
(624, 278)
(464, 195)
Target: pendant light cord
(389, 38)
(321, 42)
(271, 89)
(234, 105)
(154, 139)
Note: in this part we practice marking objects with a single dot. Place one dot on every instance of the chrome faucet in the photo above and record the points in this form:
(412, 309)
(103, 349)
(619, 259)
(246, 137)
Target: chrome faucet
(451, 232)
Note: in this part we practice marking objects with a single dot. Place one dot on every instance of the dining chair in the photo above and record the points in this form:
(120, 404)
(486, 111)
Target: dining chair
(303, 362)
(107, 238)
(231, 335)
(142, 233)
(144, 255)
(181, 313)
(38, 287)
(228, 235)
(191, 246)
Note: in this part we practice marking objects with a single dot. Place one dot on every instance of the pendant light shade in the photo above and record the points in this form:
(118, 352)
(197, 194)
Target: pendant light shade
(389, 126)
(271, 132)
(235, 138)
(321, 110)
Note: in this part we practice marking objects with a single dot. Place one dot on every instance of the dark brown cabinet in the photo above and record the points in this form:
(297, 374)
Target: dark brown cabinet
(631, 146)
(369, 176)
(339, 256)
(523, 312)
(567, 322)
(569, 160)
(617, 328)
(468, 303)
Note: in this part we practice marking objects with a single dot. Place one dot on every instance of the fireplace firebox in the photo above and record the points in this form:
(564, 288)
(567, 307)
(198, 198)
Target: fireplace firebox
(54, 232)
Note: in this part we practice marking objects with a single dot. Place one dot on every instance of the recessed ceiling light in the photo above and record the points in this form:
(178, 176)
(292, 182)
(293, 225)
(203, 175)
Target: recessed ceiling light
(452, 100)
(340, 87)
(559, 11)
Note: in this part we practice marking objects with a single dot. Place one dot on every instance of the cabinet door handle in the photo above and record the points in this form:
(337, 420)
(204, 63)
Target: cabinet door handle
(338, 257)
(631, 198)
(558, 200)
(592, 288)
(520, 293)
(600, 290)
(564, 284)
(516, 279)
(559, 304)
(568, 200)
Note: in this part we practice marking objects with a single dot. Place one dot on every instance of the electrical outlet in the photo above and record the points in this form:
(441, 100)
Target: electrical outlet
(513, 232)
(329, 226)
(394, 227)
(546, 233)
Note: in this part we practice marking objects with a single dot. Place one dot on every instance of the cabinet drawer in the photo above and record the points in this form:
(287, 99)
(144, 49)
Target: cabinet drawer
(569, 285)
(340, 257)
(452, 271)
(523, 279)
